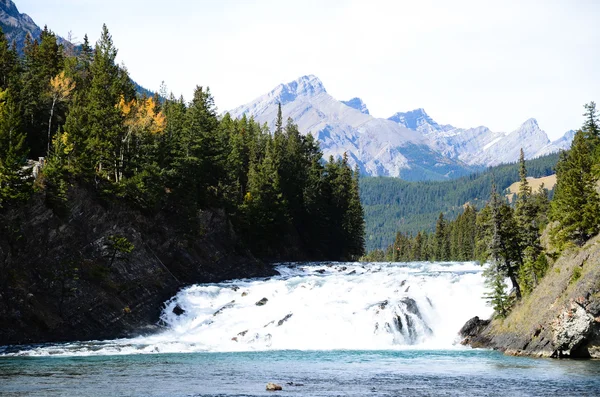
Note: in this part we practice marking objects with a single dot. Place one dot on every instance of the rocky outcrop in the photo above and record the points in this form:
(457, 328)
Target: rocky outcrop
(16, 26)
(472, 328)
(560, 318)
(571, 331)
(98, 269)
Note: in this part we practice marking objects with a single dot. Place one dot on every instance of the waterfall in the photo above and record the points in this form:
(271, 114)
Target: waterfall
(316, 306)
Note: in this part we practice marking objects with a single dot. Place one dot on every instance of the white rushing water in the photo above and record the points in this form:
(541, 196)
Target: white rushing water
(358, 306)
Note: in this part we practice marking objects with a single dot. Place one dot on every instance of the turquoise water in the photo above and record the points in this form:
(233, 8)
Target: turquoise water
(321, 329)
(313, 373)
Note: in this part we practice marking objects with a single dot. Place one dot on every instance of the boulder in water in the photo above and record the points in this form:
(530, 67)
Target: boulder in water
(472, 329)
(262, 302)
(273, 387)
(227, 306)
(283, 320)
(178, 310)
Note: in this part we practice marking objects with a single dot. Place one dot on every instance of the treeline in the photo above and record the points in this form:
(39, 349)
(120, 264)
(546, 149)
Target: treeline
(460, 239)
(393, 205)
(507, 235)
(80, 111)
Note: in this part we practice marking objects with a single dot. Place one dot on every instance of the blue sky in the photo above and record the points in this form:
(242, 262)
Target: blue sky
(468, 63)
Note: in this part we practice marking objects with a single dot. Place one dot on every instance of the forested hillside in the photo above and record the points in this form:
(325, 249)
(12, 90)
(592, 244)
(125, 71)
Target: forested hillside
(392, 205)
(550, 255)
(79, 111)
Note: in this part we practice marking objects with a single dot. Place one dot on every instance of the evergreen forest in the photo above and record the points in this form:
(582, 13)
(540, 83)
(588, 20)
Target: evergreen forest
(79, 112)
(518, 240)
(393, 205)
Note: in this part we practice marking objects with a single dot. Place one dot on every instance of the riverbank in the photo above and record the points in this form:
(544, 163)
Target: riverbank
(99, 269)
(561, 317)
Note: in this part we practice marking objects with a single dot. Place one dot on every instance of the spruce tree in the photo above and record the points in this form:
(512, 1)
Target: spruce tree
(576, 204)
(15, 184)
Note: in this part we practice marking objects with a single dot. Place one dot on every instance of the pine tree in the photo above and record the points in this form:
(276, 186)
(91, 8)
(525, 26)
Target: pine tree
(15, 185)
(576, 204)
(591, 127)
(504, 249)
(442, 241)
(496, 295)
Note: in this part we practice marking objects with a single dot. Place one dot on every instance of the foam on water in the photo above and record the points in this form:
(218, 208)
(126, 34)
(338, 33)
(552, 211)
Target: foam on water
(319, 306)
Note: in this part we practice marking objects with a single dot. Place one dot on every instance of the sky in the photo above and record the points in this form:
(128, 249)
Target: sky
(467, 63)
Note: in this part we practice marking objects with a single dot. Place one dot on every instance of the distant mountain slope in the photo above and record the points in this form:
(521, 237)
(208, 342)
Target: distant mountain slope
(377, 146)
(480, 145)
(392, 205)
(410, 145)
(16, 26)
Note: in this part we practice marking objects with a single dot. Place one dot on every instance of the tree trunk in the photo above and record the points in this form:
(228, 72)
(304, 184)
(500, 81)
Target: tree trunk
(50, 125)
(515, 284)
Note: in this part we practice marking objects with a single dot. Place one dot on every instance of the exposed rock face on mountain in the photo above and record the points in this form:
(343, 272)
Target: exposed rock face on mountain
(358, 104)
(480, 145)
(561, 317)
(16, 26)
(410, 145)
(377, 146)
(69, 274)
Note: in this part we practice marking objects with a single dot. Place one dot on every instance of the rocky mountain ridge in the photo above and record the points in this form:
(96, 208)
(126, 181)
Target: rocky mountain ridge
(480, 145)
(376, 146)
(410, 144)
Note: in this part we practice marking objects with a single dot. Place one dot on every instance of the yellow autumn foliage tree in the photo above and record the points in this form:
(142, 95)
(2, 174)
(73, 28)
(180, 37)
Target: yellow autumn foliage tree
(141, 116)
(61, 88)
(141, 119)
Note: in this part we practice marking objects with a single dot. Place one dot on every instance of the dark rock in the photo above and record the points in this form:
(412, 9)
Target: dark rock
(178, 311)
(411, 306)
(283, 320)
(320, 271)
(227, 306)
(96, 288)
(472, 329)
(262, 302)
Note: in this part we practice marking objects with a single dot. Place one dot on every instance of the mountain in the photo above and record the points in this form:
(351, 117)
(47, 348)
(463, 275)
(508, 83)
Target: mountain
(376, 146)
(357, 104)
(392, 205)
(480, 145)
(16, 26)
(410, 145)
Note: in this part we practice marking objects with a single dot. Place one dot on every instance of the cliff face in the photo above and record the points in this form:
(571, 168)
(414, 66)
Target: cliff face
(561, 318)
(15, 25)
(101, 269)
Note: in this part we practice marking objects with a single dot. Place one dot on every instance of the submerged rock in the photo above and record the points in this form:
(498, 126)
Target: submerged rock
(283, 320)
(262, 302)
(178, 311)
(273, 387)
(227, 306)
